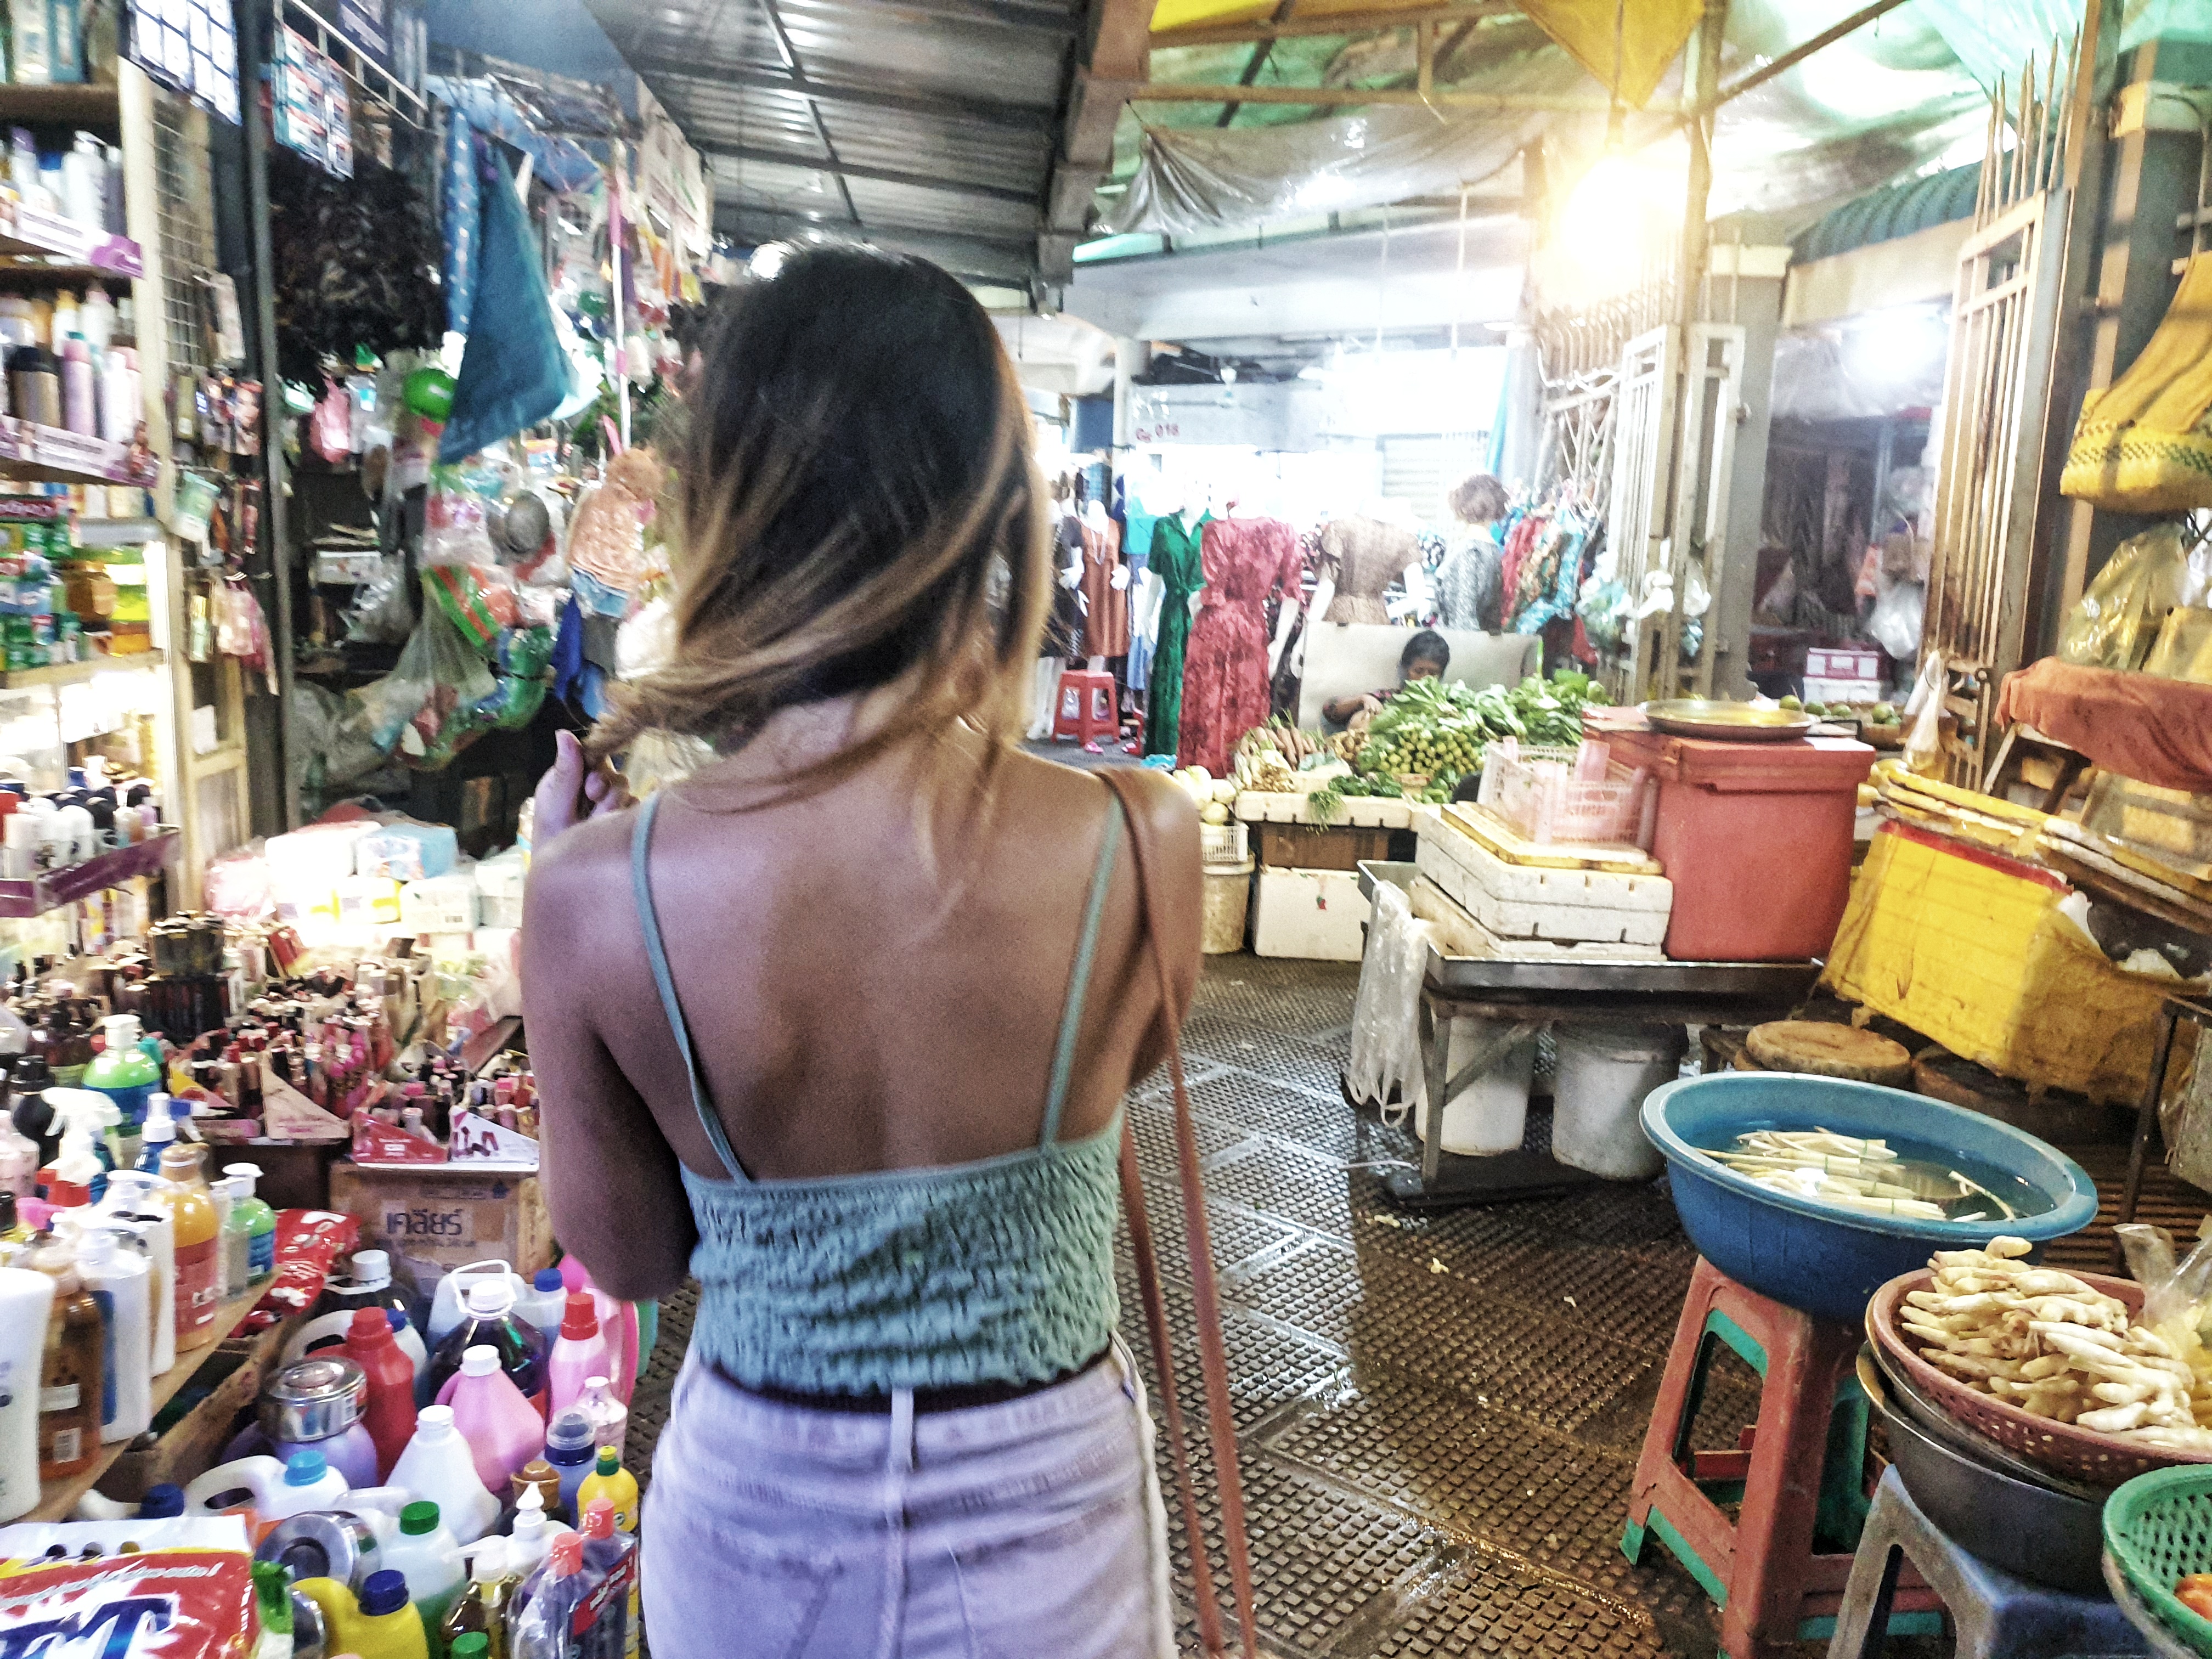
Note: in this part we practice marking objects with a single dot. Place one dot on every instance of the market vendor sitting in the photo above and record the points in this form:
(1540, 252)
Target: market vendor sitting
(1426, 657)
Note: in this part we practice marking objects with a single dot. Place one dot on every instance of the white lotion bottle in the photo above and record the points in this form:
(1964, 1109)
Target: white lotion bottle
(26, 1301)
(119, 1281)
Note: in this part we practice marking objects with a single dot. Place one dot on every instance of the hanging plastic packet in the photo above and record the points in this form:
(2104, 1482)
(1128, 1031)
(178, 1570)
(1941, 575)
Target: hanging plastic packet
(330, 429)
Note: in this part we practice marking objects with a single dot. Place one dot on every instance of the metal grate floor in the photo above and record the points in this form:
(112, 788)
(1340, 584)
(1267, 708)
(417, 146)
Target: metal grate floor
(1438, 1417)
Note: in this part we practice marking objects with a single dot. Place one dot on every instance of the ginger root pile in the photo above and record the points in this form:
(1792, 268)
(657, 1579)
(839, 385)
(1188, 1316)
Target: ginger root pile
(2048, 1343)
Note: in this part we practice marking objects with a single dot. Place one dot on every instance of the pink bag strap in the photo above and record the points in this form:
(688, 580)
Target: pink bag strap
(1206, 1296)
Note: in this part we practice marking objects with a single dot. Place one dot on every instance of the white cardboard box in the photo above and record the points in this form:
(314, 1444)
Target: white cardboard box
(1316, 915)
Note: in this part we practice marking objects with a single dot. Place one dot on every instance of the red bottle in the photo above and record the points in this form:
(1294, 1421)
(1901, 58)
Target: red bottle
(390, 1417)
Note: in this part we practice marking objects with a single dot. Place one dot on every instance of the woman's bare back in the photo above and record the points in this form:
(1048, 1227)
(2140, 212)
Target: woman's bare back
(857, 1002)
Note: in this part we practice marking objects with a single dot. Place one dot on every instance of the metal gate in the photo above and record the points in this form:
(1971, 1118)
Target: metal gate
(1635, 518)
(2002, 323)
(1712, 375)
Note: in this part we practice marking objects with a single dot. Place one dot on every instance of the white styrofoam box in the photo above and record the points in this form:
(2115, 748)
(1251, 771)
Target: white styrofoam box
(441, 904)
(1846, 663)
(1458, 934)
(1358, 811)
(1529, 901)
(1845, 690)
(367, 904)
(1224, 844)
(1316, 915)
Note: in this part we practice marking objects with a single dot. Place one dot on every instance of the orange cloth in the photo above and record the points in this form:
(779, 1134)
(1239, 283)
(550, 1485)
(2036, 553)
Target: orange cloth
(2156, 731)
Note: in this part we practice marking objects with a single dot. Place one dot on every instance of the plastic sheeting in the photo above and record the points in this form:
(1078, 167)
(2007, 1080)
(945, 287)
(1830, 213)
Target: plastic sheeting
(1825, 375)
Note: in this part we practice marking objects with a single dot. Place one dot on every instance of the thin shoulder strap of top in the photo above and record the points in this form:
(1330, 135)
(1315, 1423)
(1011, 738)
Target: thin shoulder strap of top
(656, 953)
(1078, 984)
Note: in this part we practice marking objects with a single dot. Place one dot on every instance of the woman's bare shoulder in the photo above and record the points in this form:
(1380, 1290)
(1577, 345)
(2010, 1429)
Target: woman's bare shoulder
(575, 880)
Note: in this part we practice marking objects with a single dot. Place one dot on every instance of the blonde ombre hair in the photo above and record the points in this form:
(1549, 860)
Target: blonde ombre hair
(856, 505)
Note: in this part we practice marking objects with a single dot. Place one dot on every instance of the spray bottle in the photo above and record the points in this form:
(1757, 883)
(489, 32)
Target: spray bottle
(86, 1112)
(157, 1133)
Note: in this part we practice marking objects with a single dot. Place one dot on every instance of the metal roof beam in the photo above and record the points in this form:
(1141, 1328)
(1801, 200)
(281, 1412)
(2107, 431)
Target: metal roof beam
(1012, 116)
(806, 163)
(1115, 64)
(1328, 23)
(1797, 55)
(964, 255)
(1041, 19)
(1176, 92)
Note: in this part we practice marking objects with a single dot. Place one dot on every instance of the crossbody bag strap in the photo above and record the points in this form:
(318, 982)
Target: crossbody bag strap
(1206, 1298)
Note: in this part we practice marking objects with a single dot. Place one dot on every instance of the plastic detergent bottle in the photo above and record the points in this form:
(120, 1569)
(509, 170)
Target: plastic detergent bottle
(437, 1465)
(449, 1305)
(532, 1536)
(309, 1483)
(118, 1279)
(272, 1600)
(382, 1624)
(131, 1207)
(609, 1558)
(230, 1241)
(609, 1419)
(69, 1381)
(491, 1321)
(540, 1475)
(573, 1450)
(542, 1631)
(389, 1414)
(26, 1301)
(611, 1481)
(545, 1301)
(122, 1072)
(425, 1553)
(198, 1237)
(157, 1133)
(503, 1430)
(260, 1225)
(617, 1323)
(480, 1610)
(580, 1354)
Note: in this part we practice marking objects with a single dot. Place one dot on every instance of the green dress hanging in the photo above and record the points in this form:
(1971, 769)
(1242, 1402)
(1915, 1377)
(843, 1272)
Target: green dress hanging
(1175, 559)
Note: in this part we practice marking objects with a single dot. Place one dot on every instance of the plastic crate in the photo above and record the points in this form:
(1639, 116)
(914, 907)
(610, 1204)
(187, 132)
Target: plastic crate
(1535, 792)
(1224, 843)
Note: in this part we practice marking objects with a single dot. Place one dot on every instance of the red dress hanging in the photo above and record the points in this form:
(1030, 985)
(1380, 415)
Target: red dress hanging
(1224, 683)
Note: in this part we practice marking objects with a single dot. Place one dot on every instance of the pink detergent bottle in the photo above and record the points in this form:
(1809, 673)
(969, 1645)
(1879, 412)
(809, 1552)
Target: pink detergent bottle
(579, 1354)
(503, 1428)
(617, 1322)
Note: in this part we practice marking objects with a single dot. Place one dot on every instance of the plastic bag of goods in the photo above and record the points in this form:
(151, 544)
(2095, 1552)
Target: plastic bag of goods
(2117, 621)
(185, 1592)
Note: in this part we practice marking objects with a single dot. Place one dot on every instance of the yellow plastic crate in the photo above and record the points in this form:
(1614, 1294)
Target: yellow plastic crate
(1970, 949)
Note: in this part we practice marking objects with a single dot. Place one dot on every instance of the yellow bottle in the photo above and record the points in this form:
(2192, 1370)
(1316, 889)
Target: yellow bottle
(382, 1624)
(611, 1481)
(199, 1236)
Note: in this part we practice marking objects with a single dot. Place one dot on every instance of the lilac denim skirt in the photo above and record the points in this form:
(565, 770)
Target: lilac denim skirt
(774, 1531)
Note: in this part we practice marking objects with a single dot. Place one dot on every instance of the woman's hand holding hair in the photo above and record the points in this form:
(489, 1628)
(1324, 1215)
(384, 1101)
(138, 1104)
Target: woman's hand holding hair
(573, 790)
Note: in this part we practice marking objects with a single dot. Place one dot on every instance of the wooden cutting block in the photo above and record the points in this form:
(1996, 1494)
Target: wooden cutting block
(1825, 1050)
(1519, 903)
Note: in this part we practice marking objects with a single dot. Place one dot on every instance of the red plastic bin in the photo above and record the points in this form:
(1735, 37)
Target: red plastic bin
(1756, 837)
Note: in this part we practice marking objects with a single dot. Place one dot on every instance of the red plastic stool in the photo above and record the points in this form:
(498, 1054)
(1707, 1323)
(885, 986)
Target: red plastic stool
(1777, 1571)
(1085, 709)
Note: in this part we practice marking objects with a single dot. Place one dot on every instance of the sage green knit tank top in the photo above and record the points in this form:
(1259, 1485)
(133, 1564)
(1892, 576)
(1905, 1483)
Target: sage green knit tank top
(997, 1271)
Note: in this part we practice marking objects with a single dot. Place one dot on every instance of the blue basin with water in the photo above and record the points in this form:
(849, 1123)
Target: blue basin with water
(1825, 1261)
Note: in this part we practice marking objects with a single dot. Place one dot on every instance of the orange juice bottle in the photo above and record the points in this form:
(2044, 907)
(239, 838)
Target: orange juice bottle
(199, 1236)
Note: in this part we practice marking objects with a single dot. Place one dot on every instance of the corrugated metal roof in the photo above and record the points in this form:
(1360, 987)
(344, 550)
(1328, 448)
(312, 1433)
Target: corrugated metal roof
(889, 120)
(1894, 211)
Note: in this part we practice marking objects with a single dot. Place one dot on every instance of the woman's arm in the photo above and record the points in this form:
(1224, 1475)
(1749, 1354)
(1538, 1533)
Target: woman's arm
(612, 1184)
(1168, 823)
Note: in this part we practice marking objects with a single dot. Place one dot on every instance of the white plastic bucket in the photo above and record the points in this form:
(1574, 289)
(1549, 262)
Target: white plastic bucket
(1605, 1072)
(1491, 1114)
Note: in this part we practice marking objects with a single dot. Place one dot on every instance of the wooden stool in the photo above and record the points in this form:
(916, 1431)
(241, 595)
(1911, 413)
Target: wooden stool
(1085, 710)
(1996, 1616)
(1778, 1572)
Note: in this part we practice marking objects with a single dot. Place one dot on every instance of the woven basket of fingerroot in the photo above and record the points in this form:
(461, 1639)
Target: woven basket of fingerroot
(2102, 1459)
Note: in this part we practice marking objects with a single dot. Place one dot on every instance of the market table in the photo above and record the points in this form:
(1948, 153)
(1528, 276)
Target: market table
(1521, 996)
